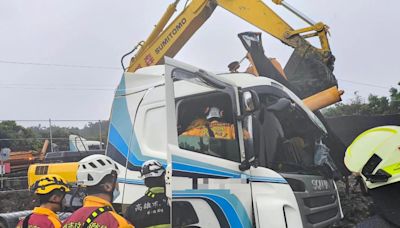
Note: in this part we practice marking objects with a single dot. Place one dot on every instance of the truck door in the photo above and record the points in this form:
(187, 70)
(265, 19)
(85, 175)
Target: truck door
(206, 182)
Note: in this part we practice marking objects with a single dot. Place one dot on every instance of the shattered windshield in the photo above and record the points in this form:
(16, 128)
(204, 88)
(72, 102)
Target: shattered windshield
(309, 113)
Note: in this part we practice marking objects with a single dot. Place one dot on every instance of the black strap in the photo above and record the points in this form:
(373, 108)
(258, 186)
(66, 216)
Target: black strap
(96, 214)
(210, 132)
(25, 221)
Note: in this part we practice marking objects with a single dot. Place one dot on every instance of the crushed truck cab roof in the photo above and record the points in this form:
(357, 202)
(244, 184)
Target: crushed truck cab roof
(154, 76)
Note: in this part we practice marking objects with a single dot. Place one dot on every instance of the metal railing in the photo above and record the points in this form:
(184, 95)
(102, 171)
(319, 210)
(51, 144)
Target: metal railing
(14, 183)
(47, 136)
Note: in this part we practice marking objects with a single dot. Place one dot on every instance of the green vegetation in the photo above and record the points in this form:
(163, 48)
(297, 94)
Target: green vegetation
(18, 138)
(375, 105)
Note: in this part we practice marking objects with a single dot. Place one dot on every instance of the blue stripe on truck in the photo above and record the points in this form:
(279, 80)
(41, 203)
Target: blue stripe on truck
(233, 209)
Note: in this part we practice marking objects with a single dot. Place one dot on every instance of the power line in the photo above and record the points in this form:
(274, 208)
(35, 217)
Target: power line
(66, 88)
(47, 120)
(41, 138)
(35, 86)
(118, 68)
(363, 83)
(60, 65)
(57, 88)
(116, 90)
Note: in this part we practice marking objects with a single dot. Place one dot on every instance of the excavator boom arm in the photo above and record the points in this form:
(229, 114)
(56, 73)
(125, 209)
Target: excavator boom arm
(175, 36)
(260, 15)
(178, 32)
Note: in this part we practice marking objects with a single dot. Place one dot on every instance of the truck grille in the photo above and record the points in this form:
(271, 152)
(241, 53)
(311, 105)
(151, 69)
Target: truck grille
(322, 216)
(317, 200)
(320, 201)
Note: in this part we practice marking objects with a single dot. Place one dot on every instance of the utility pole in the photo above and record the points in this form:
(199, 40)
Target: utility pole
(4, 156)
(101, 142)
(51, 136)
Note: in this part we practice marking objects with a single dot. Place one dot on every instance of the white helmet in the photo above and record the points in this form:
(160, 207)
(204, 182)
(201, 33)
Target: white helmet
(214, 112)
(92, 169)
(152, 168)
(375, 154)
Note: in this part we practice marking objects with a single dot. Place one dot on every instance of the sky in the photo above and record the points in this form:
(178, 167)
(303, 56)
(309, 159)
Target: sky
(57, 36)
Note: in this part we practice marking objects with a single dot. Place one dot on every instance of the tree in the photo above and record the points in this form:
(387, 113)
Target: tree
(395, 100)
(16, 137)
(60, 135)
(375, 106)
(93, 129)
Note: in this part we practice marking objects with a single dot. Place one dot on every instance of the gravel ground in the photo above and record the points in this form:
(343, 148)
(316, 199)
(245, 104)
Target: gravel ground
(17, 200)
(356, 207)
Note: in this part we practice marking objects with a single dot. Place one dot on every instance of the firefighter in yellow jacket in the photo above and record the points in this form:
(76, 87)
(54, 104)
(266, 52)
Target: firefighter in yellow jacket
(51, 190)
(212, 126)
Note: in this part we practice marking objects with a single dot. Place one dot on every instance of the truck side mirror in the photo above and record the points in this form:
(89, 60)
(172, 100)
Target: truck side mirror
(250, 102)
(281, 105)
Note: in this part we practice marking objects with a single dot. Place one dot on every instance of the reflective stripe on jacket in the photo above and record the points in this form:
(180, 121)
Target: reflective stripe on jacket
(108, 219)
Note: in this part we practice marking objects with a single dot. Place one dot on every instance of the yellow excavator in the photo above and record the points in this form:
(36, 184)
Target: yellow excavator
(309, 69)
(168, 40)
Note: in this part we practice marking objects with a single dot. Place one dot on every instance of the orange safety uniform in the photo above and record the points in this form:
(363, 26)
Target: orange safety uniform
(220, 130)
(42, 217)
(109, 219)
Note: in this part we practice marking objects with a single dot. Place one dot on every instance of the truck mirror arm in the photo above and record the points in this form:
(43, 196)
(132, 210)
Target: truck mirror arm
(246, 164)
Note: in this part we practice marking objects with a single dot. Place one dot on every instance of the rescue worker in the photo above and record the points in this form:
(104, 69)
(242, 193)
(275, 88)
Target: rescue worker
(375, 156)
(51, 190)
(98, 173)
(152, 210)
(213, 126)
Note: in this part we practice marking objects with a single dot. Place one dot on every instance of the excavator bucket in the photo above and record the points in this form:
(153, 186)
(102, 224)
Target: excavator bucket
(306, 74)
(309, 71)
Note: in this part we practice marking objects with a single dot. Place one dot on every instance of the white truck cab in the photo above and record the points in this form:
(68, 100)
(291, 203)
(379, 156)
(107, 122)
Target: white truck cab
(265, 175)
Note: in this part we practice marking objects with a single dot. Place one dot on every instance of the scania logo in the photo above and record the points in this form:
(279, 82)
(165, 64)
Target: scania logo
(320, 185)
